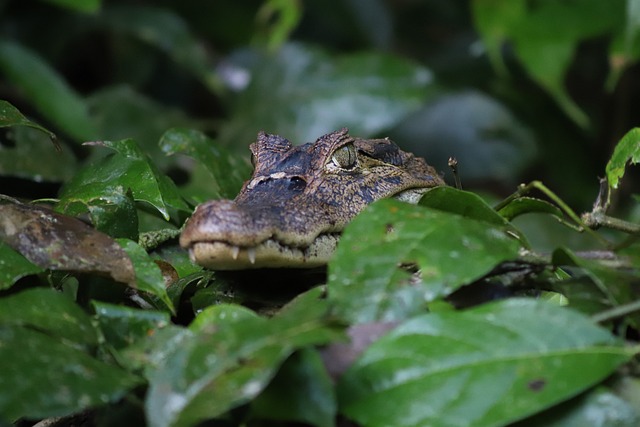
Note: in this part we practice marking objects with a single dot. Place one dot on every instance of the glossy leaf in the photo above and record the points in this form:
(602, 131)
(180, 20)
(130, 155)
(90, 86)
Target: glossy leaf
(148, 275)
(598, 408)
(223, 362)
(14, 266)
(42, 377)
(367, 281)
(463, 203)
(487, 366)
(46, 89)
(130, 169)
(49, 311)
(123, 326)
(227, 172)
(113, 212)
(11, 116)
(626, 151)
(302, 93)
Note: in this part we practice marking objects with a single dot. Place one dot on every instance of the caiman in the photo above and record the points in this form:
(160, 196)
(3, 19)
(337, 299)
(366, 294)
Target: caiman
(291, 212)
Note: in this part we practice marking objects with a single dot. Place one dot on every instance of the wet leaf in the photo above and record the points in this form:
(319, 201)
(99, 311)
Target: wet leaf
(301, 391)
(59, 242)
(11, 116)
(487, 366)
(46, 90)
(123, 326)
(302, 93)
(626, 151)
(227, 172)
(113, 211)
(13, 266)
(148, 275)
(41, 377)
(599, 408)
(226, 360)
(130, 169)
(367, 281)
(51, 312)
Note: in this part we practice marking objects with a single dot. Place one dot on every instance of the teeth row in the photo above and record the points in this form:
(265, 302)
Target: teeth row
(251, 253)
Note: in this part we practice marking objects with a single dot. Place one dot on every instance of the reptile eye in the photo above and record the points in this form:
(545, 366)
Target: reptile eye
(345, 157)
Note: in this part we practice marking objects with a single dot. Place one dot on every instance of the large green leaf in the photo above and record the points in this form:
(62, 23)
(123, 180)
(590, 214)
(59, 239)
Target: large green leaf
(14, 266)
(224, 361)
(44, 87)
(546, 29)
(227, 172)
(47, 310)
(42, 377)
(367, 281)
(626, 151)
(302, 93)
(483, 367)
(130, 169)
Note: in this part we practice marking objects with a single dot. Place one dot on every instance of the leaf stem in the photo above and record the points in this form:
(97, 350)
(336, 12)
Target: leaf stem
(615, 312)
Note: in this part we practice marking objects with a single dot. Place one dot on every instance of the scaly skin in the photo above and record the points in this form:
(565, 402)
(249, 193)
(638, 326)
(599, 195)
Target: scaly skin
(292, 210)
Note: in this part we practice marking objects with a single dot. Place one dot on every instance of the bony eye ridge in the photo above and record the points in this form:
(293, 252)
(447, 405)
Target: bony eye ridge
(345, 157)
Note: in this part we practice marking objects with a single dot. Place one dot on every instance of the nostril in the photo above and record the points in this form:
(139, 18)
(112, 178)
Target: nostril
(297, 184)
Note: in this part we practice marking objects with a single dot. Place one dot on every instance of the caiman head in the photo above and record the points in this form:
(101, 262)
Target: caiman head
(291, 212)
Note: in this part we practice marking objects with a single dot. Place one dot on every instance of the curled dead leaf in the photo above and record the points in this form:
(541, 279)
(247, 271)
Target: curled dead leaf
(60, 242)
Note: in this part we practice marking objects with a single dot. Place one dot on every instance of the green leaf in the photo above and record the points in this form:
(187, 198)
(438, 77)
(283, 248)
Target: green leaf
(148, 275)
(13, 266)
(367, 281)
(42, 377)
(130, 169)
(167, 31)
(112, 212)
(302, 93)
(526, 205)
(487, 366)
(225, 361)
(548, 29)
(124, 326)
(301, 391)
(11, 116)
(227, 172)
(78, 5)
(599, 408)
(463, 203)
(48, 311)
(44, 87)
(627, 150)
(24, 159)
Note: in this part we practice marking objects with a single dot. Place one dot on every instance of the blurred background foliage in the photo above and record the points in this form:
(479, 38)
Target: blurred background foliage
(514, 89)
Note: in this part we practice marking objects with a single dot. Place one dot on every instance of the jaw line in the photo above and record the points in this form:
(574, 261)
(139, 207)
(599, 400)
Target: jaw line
(220, 255)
